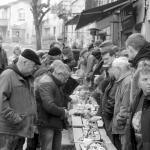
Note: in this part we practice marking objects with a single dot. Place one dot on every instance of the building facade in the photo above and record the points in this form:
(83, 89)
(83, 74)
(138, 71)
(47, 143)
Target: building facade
(16, 22)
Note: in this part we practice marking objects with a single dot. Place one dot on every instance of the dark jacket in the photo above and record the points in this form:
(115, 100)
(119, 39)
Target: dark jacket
(16, 101)
(145, 123)
(3, 60)
(68, 89)
(108, 102)
(143, 54)
(49, 99)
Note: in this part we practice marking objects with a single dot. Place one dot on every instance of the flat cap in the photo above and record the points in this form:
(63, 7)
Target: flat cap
(54, 51)
(31, 55)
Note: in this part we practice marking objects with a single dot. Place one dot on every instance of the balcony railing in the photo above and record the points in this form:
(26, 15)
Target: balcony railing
(3, 22)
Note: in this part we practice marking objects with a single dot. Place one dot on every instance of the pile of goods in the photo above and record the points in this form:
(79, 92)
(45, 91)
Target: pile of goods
(91, 139)
(86, 107)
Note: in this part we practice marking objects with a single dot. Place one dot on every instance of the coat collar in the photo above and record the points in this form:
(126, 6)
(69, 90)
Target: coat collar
(124, 76)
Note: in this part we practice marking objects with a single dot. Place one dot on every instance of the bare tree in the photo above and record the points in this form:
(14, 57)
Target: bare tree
(39, 10)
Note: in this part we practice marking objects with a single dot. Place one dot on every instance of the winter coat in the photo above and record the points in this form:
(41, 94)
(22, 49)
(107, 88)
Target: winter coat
(122, 99)
(49, 99)
(145, 123)
(3, 60)
(143, 54)
(108, 102)
(16, 101)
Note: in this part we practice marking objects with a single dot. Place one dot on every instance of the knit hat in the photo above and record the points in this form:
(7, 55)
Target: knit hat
(31, 55)
(97, 54)
(82, 52)
(54, 51)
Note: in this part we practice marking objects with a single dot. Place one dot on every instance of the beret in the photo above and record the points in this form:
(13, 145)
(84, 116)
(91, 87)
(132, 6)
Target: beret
(54, 51)
(31, 55)
(82, 52)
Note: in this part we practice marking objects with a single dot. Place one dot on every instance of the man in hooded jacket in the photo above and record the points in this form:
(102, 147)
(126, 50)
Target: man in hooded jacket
(138, 50)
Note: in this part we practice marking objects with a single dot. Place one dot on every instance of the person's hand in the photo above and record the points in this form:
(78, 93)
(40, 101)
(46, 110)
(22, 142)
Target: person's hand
(95, 118)
(72, 112)
(66, 114)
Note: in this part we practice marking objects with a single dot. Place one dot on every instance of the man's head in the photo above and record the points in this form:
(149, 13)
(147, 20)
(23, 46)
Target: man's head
(67, 53)
(55, 53)
(120, 66)
(56, 44)
(62, 73)
(1, 41)
(28, 62)
(55, 64)
(108, 55)
(134, 43)
(97, 44)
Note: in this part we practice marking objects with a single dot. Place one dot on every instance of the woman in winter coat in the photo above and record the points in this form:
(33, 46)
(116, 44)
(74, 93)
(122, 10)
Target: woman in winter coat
(138, 125)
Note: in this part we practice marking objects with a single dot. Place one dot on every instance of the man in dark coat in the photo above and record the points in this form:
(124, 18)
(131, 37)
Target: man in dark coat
(17, 102)
(51, 113)
(3, 57)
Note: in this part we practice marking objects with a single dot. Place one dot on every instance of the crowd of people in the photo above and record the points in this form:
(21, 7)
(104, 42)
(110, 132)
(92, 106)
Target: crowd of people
(36, 87)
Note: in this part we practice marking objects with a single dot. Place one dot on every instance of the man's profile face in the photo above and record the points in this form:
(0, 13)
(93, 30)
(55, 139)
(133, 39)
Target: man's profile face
(144, 83)
(107, 59)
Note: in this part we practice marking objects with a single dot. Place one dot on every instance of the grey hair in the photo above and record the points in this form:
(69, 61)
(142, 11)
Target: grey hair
(121, 62)
(136, 41)
(63, 68)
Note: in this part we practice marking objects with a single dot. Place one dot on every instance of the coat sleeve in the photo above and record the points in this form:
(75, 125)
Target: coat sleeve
(90, 64)
(123, 113)
(47, 93)
(5, 93)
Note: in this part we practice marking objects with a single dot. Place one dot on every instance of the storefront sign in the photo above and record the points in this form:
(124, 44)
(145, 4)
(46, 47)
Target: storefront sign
(127, 17)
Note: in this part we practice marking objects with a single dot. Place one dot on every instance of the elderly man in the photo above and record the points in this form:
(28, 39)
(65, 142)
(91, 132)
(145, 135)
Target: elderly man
(51, 113)
(122, 74)
(17, 103)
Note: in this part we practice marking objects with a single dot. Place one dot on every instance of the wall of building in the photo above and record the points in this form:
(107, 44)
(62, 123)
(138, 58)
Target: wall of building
(28, 20)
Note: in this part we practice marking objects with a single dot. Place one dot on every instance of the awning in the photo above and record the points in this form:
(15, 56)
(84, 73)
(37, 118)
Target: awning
(97, 13)
(73, 21)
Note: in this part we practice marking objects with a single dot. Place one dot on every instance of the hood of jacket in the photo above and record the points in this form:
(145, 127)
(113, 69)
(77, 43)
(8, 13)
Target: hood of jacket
(144, 53)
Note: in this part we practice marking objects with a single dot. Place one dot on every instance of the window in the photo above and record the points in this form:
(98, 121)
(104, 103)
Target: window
(21, 15)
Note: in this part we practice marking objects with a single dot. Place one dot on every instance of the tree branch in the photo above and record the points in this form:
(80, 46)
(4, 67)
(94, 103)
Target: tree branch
(41, 18)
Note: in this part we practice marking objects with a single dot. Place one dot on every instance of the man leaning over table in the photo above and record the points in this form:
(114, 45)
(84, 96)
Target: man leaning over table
(17, 103)
(51, 113)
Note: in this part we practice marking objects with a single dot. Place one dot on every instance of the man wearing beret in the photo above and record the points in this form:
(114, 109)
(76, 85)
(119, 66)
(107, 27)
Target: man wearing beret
(55, 53)
(17, 103)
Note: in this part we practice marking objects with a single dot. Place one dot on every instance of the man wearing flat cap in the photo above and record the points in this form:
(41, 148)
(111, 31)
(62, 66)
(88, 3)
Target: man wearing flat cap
(17, 103)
